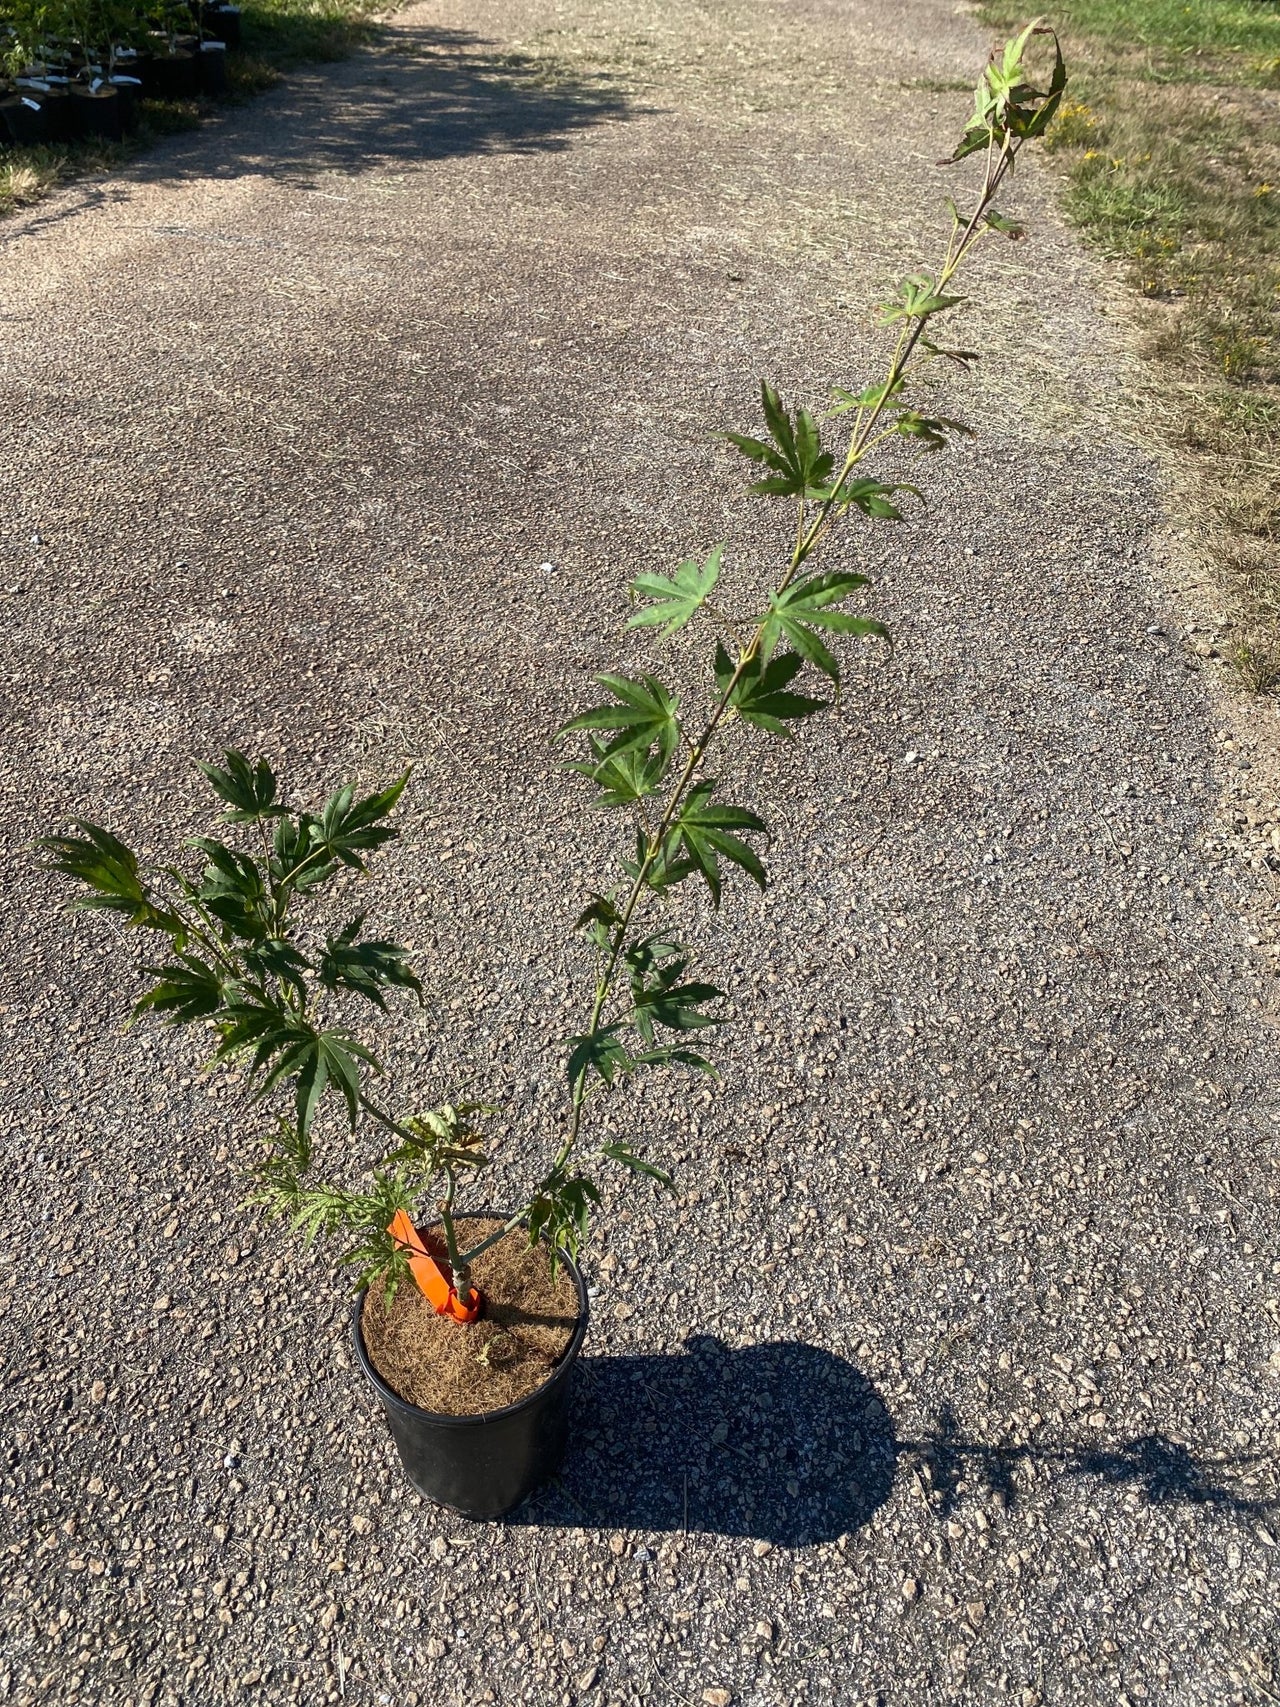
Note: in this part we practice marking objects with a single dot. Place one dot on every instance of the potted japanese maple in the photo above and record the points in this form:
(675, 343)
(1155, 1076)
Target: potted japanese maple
(468, 1325)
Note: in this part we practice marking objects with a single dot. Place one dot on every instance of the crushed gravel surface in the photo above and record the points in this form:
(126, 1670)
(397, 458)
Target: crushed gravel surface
(336, 431)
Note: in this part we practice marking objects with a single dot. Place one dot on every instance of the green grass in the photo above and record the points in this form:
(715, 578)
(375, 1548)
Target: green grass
(1169, 144)
(291, 32)
(1178, 34)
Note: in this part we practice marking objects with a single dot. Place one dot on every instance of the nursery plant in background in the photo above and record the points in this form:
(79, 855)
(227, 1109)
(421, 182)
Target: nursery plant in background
(472, 1357)
(77, 70)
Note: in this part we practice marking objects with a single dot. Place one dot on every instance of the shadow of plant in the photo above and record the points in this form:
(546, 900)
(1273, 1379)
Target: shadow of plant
(1163, 1471)
(790, 1444)
(781, 1442)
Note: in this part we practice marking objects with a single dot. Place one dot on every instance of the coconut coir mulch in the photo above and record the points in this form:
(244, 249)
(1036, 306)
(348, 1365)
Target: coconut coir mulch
(523, 1331)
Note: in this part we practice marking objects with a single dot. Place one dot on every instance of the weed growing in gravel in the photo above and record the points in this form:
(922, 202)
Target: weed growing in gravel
(235, 959)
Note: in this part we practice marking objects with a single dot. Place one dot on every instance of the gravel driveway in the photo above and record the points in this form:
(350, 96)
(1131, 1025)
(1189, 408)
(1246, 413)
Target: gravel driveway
(336, 432)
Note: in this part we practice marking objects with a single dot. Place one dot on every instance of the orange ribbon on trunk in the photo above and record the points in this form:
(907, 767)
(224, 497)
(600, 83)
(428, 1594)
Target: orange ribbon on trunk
(432, 1281)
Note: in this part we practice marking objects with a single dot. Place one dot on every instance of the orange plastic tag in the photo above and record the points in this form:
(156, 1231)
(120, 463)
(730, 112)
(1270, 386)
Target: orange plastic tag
(431, 1279)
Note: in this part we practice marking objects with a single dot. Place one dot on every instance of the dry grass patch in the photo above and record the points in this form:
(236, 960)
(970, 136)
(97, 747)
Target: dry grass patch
(1170, 150)
(27, 175)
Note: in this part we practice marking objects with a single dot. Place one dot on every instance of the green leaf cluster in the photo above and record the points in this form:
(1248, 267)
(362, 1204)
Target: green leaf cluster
(238, 960)
(1006, 105)
(671, 602)
(793, 451)
(642, 718)
(760, 692)
(806, 611)
(559, 1212)
(444, 1140)
(918, 297)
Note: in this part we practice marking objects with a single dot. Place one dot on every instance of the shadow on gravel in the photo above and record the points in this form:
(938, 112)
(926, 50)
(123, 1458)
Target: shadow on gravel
(778, 1442)
(1163, 1471)
(421, 93)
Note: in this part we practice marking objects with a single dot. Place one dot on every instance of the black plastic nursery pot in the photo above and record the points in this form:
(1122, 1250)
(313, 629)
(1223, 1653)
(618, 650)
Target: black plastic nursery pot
(483, 1466)
(58, 111)
(213, 68)
(128, 90)
(172, 76)
(97, 112)
(54, 123)
(223, 23)
(23, 121)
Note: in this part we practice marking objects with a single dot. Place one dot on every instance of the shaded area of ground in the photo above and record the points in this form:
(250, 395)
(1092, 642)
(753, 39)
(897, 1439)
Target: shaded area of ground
(713, 1441)
(423, 93)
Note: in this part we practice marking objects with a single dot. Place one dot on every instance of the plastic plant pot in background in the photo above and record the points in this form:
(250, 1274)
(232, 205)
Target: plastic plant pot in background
(213, 68)
(97, 113)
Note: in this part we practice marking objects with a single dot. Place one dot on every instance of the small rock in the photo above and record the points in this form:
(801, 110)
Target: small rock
(910, 1590)
(98, 1392)
(361, 1524)
(588, 1677)
(436, 1649)
(764, 1629)
(717, 1697)
(761, 1548)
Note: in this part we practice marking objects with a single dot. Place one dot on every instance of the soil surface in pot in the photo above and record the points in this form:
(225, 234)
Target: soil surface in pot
(522, 1333)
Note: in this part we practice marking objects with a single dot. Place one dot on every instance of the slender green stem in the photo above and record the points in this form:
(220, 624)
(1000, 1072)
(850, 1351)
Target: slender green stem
(468, 1257)
(861, 442)
(384, 1119)
(457, 1265)
(289, 880)
(807, 538)
(209, 941)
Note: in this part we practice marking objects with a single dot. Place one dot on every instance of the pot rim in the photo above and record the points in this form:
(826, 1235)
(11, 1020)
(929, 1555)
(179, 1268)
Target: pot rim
(475, 1419)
